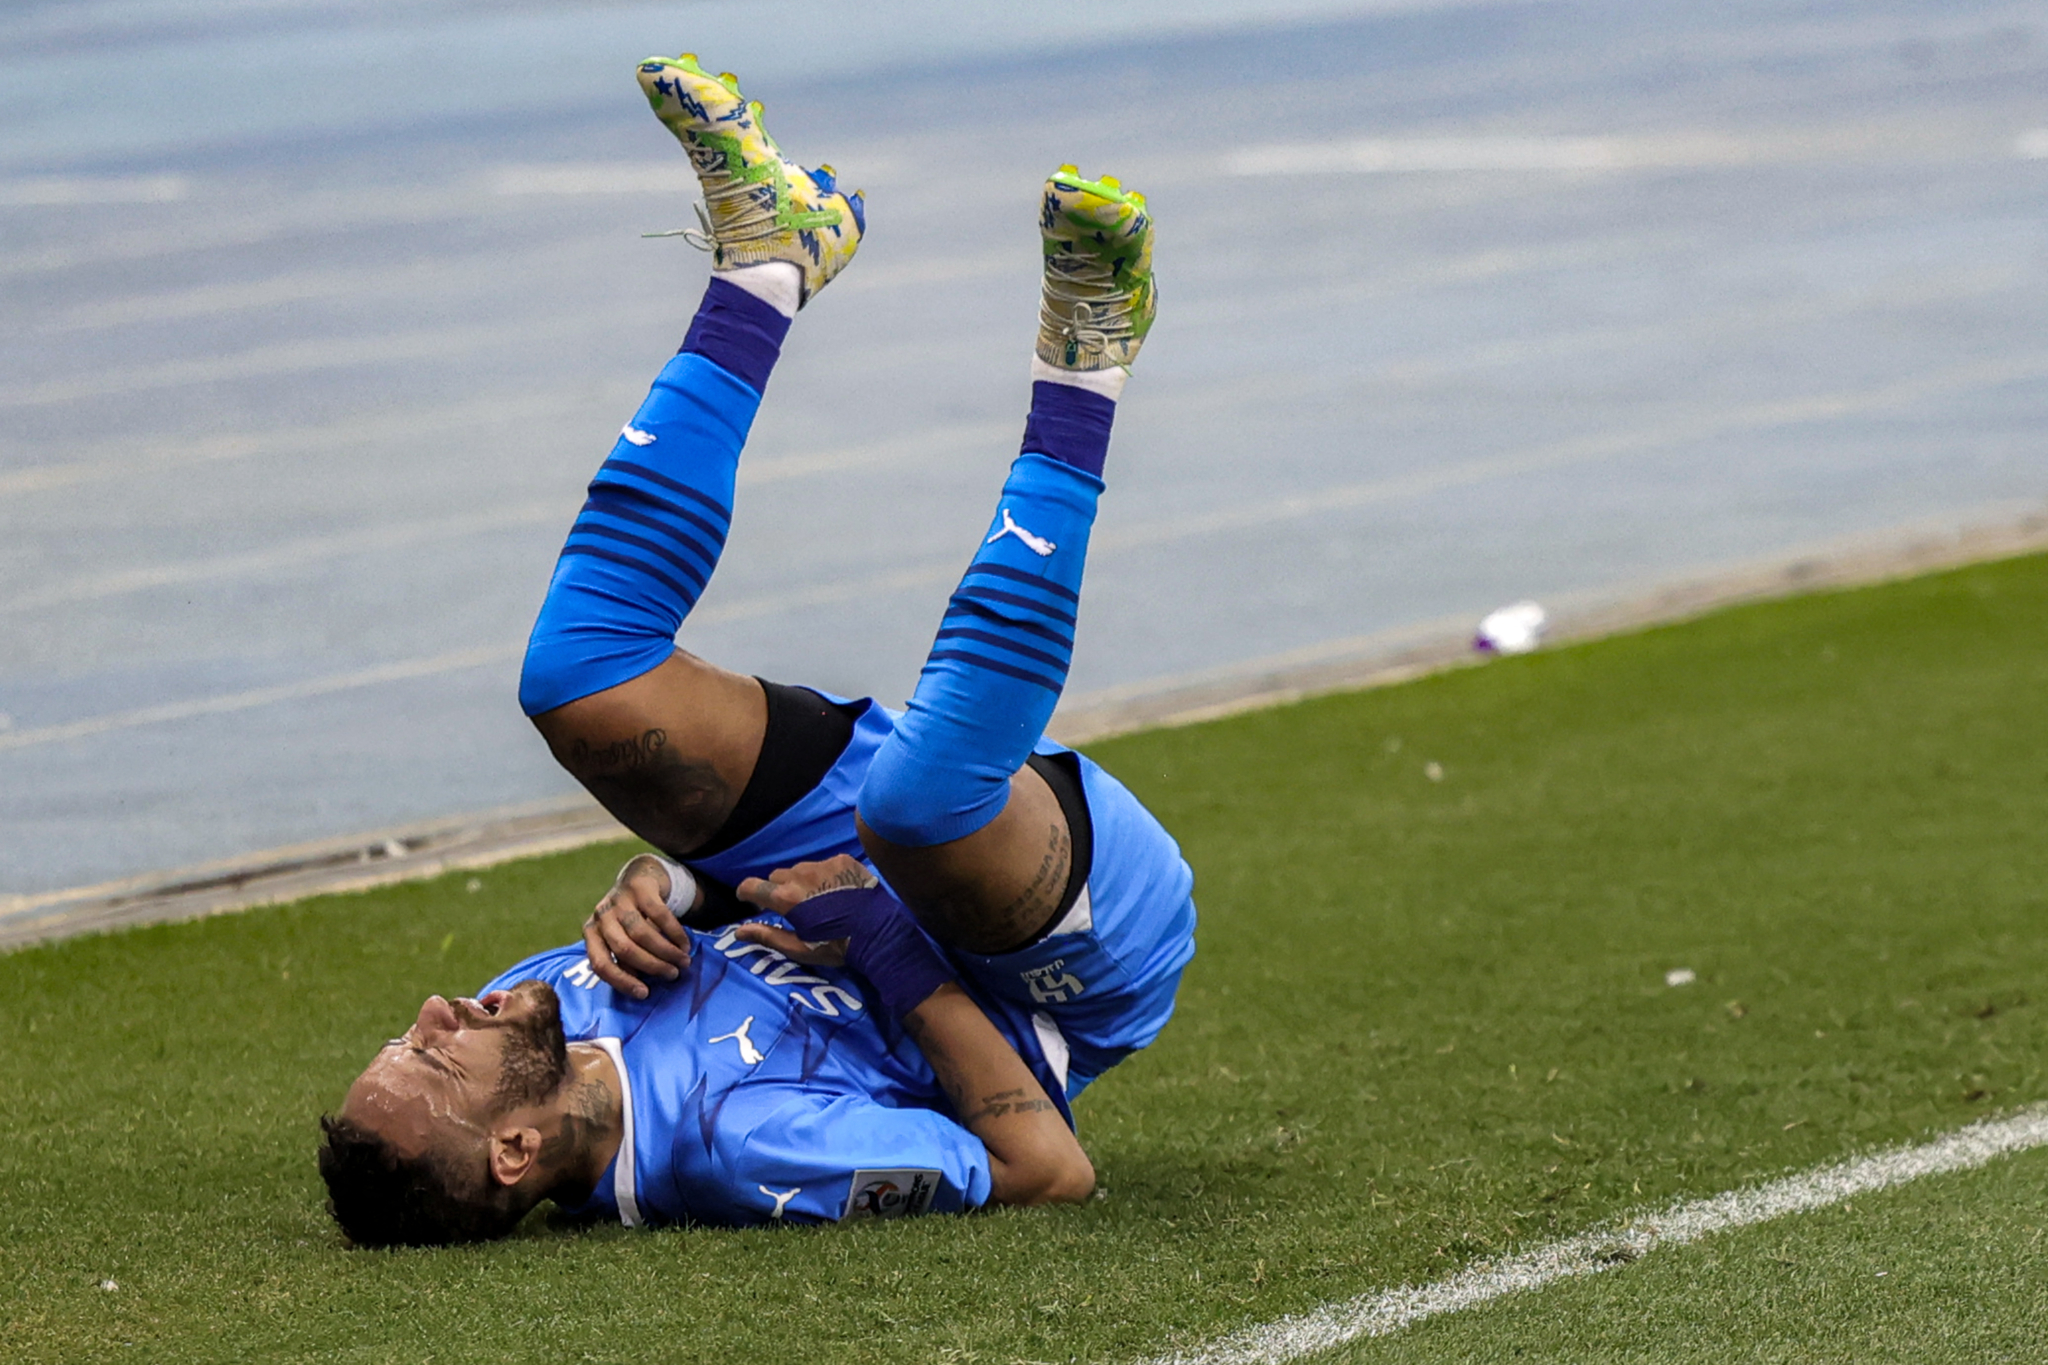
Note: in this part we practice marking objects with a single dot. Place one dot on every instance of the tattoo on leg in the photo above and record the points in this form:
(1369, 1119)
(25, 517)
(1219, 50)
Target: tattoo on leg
(673, 802)
(1042, 896)
(968, 922)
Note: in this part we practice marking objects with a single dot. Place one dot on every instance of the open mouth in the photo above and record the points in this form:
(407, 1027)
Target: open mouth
(487, 1006)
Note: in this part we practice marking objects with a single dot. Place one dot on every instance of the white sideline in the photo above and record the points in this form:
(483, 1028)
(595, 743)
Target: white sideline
(1589, 1253)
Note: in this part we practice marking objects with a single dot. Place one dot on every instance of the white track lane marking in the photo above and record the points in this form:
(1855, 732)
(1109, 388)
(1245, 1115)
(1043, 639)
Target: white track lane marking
(1815, 407)
(294, 554)
(1563, 154)
(1589, 1253)
(1582, 450)
(404, 669)
(59, 191)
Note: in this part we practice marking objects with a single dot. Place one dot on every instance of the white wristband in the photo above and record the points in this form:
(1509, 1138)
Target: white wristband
(682, 886)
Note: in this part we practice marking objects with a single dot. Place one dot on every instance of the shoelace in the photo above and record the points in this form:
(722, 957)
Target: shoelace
(1098, 313)
(751, 222)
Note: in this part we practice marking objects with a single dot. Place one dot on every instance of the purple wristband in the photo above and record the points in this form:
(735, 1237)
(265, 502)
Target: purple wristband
(884, 944)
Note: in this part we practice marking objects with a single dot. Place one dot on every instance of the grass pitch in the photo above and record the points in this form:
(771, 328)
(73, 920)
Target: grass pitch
(1429, 1022)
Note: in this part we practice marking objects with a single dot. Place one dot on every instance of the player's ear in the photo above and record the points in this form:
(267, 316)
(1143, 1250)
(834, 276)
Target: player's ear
(515, 1151)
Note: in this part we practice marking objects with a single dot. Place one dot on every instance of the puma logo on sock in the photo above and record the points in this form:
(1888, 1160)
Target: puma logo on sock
(1038, 544)
(637, 436)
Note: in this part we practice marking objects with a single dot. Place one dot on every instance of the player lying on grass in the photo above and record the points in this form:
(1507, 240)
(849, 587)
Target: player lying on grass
(840, 1057)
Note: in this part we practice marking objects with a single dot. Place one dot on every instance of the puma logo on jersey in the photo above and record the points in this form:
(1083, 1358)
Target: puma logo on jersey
(1051, 984)
(780, 1197)
(1039, 545)
(637, 436)
(749, 1054)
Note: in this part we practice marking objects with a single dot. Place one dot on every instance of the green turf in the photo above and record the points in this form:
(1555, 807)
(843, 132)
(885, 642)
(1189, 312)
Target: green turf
(1954, 1268)
(1428, 1023)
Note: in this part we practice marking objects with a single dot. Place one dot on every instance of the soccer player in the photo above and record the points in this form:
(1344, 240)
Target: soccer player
(837, 1054)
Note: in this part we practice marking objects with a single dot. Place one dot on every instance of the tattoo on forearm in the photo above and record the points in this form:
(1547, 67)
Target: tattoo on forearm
(1007, 1102)
(953, 1080)
(672, 801)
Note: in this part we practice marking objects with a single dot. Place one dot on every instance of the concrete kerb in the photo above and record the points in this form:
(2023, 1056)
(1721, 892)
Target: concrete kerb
(352, 863)
(416, 852)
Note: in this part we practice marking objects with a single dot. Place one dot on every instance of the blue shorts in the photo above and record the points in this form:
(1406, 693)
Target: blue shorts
(1096, 988)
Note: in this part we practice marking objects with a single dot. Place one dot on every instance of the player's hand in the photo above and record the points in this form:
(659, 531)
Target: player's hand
(788, 887)
(830, 953)
(839, 901)
(631, 936)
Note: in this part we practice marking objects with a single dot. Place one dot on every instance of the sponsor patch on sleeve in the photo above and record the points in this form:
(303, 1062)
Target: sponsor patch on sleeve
(890, 1194)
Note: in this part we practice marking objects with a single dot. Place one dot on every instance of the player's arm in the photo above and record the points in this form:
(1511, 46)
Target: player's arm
(1033, 1156)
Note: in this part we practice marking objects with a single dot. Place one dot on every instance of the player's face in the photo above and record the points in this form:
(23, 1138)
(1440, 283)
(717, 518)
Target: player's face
(462, 1065)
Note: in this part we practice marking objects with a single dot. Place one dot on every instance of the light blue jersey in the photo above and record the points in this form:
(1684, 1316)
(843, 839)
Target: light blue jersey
(1101, 984)
(760, 1089)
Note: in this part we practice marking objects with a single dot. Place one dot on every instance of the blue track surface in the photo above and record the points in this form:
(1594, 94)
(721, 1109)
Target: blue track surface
(318, 319)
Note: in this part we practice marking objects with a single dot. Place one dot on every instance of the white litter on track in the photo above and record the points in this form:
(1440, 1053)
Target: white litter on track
(1589, 1253)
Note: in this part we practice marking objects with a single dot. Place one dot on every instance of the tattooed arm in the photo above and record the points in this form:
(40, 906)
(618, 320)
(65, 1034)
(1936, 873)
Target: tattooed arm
(1034, 1157)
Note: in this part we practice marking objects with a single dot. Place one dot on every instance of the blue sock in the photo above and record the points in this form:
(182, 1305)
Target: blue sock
(650, 534)
(1000, 660)
(738, 332)
(1069, 424)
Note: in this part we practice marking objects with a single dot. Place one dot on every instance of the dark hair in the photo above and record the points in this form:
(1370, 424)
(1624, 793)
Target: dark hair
(382, 1199)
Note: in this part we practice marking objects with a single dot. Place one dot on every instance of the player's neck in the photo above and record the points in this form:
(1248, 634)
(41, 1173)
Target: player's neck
(592, 1123)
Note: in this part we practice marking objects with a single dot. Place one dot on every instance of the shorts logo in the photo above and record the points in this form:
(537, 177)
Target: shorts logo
(781, 1198)
(1051, 984)
(890, 1194)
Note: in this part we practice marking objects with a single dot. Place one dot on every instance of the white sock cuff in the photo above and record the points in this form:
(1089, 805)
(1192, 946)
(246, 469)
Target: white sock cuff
(779, 284)
(1108, 383)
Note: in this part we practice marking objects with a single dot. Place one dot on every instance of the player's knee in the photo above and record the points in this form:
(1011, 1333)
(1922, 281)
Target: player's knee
(912, 801)
(540, 682)
(566, 663)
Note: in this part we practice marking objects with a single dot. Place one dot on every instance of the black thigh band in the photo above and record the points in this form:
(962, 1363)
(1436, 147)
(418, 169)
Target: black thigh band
(804, 737)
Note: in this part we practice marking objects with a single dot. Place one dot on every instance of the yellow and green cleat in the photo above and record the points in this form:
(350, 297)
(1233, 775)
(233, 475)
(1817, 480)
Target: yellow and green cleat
(759, 206)
(1099, 297)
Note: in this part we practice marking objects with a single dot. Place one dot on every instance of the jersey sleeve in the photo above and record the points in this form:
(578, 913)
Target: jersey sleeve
(807, 1157)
